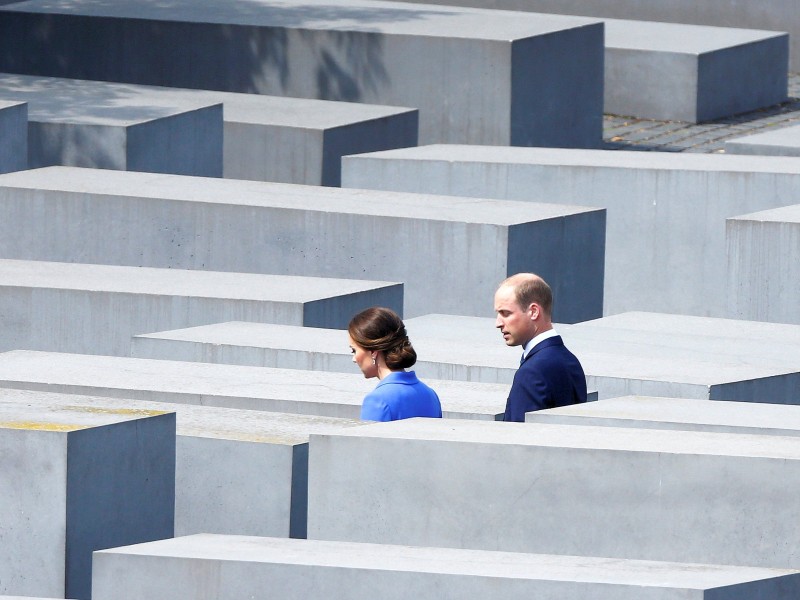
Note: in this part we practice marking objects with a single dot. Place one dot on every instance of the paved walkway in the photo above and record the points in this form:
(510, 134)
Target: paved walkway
(630, 133)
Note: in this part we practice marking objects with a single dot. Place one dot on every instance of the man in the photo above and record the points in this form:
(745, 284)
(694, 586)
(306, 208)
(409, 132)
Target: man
(549, 375)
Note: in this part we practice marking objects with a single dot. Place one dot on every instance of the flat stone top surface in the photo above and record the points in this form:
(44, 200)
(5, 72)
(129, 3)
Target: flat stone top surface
(60, 99)
(775, 419)
(94, 103)
(207, 380)
(784, 214)
(349, 15)
(211, 190)
(177, 282)
(196, 421)
(580, 437)
(454, 561)
(644, 346)
(45, 414)
(568, 157)
(679, 38)
(8, 104)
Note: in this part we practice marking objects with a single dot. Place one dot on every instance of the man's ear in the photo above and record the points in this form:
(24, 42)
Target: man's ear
(533, 311)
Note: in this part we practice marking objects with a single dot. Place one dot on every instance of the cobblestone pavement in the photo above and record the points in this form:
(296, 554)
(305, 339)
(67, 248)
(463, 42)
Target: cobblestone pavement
(629, 133)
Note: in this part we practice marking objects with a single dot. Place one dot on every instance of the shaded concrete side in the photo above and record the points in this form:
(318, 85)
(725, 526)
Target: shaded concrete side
(120, 490)
(13, 136)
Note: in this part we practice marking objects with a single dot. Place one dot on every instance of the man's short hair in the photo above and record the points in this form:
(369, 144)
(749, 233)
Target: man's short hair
(530, 288)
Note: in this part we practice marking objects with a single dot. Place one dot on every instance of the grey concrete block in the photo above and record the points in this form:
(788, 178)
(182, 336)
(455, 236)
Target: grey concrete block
(88, 124)
(465, 246)
(236, 471)
(605, 491)
(476, 76)
(265, 138)
(779, 142)
(692, 73)
(650, 412)
(666, 211)
(319, 570)
(304, 392)
(764, 265)
(75, 480)
(630, 353)
(96, 309)
(13, 136)
(773, 15)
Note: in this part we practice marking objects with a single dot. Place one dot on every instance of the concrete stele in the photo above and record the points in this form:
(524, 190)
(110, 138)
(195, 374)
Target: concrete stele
(75, 480)
(236, 471)
(476, 76)
(293, 391)
(656, 233)
(97, 308)
(89, 125)
(178, 222)
(265, 138)
(319, 570)
(630, 353)
(650, 412)
(764, 265)
(784, 141)
(616, 492)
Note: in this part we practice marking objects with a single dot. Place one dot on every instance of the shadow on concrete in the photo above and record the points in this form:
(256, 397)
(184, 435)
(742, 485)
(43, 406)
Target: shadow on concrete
(320, 51)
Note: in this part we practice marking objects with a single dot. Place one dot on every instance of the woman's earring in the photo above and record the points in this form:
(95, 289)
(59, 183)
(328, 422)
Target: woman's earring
(374, 360)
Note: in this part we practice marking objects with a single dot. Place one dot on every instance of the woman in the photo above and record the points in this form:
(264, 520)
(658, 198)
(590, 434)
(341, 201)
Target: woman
(381, 349)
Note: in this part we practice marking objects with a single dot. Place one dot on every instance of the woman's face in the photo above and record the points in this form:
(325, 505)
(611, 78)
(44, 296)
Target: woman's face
(363, 358)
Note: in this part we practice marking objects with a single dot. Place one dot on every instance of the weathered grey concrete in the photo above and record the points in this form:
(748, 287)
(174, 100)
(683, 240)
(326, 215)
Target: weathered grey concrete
(236, 471)
(692, 73)
(604, 491)
(651, 412)
(86, 124)
(465, 246)
(265, 138)
(784, 141)
(231, 386)
(764, 265)
(666, 211)
(13, 136)
(476, 76)
(78, 307)
(76, 480)
(631, 353)
(317, 570)
(775, 15)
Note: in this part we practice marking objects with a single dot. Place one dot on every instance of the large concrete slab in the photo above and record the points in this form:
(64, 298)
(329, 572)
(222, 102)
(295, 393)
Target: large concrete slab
(784, 141)
(319, 570)
(97, 308)
(13, 136)
(764, 265)
(463, 245)
(476, 76)
(265, 138)
(76, 480)
(615, 492)
(773, 15)
(651, 412)
(631, 353)
(86, 124)
(236, 471)
(666, 211)
(669, 71)
(231, 386)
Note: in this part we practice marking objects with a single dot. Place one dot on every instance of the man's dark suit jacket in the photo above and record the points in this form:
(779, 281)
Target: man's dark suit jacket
(549, 376)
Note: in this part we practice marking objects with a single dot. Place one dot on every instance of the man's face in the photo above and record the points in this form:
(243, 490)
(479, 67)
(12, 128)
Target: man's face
(513, 322)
